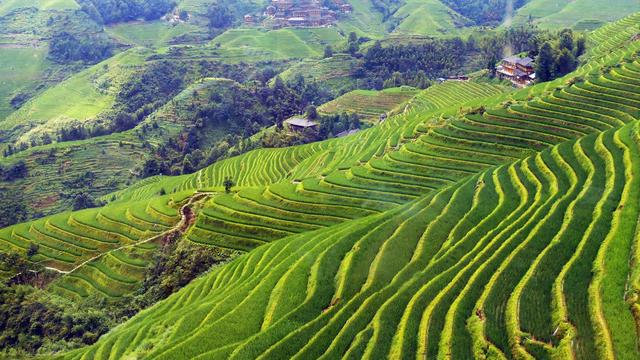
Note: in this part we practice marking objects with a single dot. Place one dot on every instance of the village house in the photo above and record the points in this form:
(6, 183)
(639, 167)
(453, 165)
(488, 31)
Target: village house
(298, 124)
(303, 13)
(249, 20)
(520, 71)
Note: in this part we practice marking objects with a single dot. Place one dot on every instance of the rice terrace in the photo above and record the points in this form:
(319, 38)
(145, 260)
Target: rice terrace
(319, 179)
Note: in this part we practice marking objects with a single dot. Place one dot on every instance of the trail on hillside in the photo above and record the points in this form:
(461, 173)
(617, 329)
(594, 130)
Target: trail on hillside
(187, 218)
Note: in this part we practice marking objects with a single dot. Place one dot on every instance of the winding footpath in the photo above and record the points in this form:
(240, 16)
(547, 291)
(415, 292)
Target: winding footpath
(186, 219)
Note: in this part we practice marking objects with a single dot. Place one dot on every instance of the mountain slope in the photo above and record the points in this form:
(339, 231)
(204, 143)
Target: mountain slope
(496, 265)
(408, 156)
(578, 14)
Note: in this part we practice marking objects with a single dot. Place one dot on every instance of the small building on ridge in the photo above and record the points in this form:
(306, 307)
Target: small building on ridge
(520, 71)
(300, 124)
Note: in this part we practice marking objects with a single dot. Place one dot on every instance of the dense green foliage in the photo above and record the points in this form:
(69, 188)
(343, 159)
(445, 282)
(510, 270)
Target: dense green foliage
(559, 57)
(112, 11)
(243, 110)
(13, 208)
(32, 319)
(65, 47)
(433, 59)
(466, 223)
(485, 11)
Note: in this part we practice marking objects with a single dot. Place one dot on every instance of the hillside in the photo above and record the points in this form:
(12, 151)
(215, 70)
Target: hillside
(497, 265)
(473, 220)
(408, 156)
(577, 14)
(369, 104)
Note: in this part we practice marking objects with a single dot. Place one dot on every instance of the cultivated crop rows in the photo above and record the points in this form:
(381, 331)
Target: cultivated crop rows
(68, 240)
(528, 259)
(368, 104)
(440, 155)
(282, 192)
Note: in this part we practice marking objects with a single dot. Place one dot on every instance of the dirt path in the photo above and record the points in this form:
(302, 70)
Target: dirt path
(187, 218)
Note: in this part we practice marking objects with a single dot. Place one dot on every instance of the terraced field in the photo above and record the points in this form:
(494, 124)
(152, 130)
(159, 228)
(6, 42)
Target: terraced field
(430, 156)
(369, 104)
(115, 243)
(579, 14)
(410, 155)
(416, 158)
(234, 222)
(471, 223)
(497, 265)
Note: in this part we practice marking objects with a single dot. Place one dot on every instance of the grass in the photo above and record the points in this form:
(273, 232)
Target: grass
(9, 5)
(85, 95)
(431, 18)
(259, 44)
(149, 34)
(369, 104)
(377, 286)
(447, 231)
(579, 14)
(24, 66)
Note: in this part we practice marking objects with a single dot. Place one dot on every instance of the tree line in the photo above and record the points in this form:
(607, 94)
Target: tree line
(242, 110)
(113, 11)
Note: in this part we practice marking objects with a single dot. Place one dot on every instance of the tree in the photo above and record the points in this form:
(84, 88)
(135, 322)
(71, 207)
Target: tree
(328, 51)
(566, 40)
(228, 184)
(187, 165)
(17, 171)
(312, 112)
(352, 43)
(13, 208)
(545, 63)
(220, 16)
(83, 200)
(581, 46)
(32, 250)
(565, 63)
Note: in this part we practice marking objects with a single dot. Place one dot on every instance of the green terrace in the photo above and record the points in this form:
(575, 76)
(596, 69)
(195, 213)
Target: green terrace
(532, 258)
(417, 152)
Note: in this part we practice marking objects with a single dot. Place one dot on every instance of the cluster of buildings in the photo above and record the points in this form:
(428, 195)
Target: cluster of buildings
(520, 71)
(300, 13)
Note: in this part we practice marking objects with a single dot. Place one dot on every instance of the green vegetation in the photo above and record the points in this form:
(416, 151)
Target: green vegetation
(24, 67)
(430, 17)
(579, 14)
(369, 103)
(149, 34)
(255, 44)
(476, 221)
(9, 5)
(439, 276)
(85, 95)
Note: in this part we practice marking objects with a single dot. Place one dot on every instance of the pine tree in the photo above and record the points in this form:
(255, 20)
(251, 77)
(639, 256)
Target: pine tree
(544, 63)
(328, 51)
(228, 184)
(565, 63)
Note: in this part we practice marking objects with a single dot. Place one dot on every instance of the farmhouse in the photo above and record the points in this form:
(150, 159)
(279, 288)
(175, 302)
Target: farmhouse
(302, 13)
(518, 70)
(249, 19)
(300, 124)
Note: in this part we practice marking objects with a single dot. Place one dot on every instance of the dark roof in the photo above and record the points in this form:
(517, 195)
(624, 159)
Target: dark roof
(300, 122)
(347, 132)
(526, 61)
